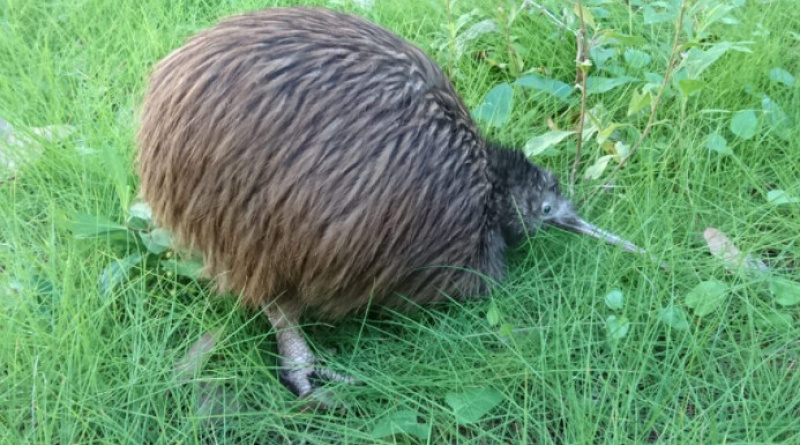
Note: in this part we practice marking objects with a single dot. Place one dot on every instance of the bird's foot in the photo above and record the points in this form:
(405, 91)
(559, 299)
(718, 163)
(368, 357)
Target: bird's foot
(299, 371)
(306, 383)
(303, 380)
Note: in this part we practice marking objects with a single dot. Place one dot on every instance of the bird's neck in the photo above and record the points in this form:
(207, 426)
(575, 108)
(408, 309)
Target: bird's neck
(501, 163)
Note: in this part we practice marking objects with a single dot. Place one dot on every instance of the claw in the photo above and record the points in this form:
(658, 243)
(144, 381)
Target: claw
(297, 381)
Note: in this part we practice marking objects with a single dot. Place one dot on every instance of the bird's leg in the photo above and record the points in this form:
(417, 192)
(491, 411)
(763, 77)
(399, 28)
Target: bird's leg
(297, 361)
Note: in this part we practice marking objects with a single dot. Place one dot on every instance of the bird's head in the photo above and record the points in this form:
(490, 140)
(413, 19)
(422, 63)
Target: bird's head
(529, 198)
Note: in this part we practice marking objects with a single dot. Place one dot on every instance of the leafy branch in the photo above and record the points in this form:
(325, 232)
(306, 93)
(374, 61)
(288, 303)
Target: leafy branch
(656, 102)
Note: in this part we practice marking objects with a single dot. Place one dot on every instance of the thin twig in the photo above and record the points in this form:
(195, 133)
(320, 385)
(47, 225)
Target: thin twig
(581, 57)
(582, 49)
(512, 59)
(654, 106)
(549, 14)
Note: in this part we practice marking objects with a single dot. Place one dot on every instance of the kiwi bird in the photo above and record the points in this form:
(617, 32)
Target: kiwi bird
(321, 164)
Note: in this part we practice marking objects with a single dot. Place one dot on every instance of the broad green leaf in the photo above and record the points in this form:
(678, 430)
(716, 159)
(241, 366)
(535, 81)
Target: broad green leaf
(636, 59)
(599, 55)
(719, 13)
(496, 106)
(743, 124)
(141, 210)
(626, 39)
(465, 38)
(140, 216)
(777, 119)
(614, 299)
(607, 147)
(775, 320)
(538, 144)
(400, 422)
(621, 149)
(638, 102)
(690, 86)
(506, 329)
(156, 241)
(779, 197)
(608, 131)
(706, 297)
(136, 223)
(116, 273)
(185, 268)
(653, 79)
(493, 315)
(464, 19)
(698, 60)
(680, 73)
(617, 327)
(557, 88)
(673, 317)
(470, 406)
(591, 122)
(716, 142)
(597, 169)
(596, 84)
(786, 292)
(93, 226)
(782, 76)
(31, 283)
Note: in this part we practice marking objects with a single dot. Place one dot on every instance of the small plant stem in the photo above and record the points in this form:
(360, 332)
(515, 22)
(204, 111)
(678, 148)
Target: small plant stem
(654, 106)
(512, 59)
(451, 38)
(581, 56)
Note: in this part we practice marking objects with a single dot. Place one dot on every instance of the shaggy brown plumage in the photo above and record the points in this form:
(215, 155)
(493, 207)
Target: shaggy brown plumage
(319, 162)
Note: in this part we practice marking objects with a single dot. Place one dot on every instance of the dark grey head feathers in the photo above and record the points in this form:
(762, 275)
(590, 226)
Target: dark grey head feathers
(527, 196)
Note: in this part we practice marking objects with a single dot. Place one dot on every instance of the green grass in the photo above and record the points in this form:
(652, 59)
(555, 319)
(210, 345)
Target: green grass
(80, 367)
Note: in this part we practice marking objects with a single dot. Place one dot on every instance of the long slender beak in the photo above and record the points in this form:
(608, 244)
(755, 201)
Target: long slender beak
(574, 223)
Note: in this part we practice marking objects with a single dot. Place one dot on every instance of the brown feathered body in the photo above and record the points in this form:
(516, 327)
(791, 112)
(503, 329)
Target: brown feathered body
(318, 160)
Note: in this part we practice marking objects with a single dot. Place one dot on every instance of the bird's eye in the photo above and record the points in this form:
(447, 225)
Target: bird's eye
(546, 209)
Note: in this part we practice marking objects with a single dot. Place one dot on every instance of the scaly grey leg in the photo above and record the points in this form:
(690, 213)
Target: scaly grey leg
(297, 360)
